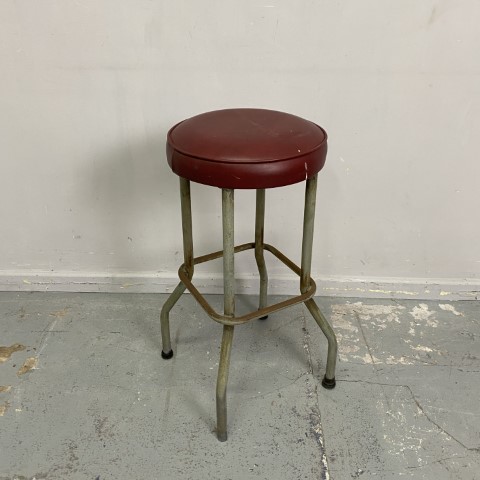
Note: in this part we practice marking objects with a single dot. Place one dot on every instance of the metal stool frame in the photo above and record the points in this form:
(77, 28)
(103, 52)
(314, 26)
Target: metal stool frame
(228, 319)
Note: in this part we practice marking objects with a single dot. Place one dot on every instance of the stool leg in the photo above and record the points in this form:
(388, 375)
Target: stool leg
(222, 380)
(307, 243)
(167, 351)
(259, 230)
(186, 205)
(329, 378)
(229, 309)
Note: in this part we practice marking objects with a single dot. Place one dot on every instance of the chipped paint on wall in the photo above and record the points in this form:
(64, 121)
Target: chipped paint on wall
(372, 290)
(389, 292)
(5, 388)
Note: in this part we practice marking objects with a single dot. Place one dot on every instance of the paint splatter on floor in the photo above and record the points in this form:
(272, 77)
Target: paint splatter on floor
(3, 408)
(60, 313)
(29, 364)
(7, 352)
(345, 319)
(450, 308)
(356, 323)
(423, 314)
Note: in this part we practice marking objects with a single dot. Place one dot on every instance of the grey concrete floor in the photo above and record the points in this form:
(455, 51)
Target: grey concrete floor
(84, 393)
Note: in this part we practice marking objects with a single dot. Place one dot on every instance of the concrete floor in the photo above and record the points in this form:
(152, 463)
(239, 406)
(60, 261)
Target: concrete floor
(84, 393)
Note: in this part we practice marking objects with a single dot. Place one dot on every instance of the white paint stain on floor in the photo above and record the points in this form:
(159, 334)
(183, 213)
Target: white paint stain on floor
(423, 314)
(447, 307)
(422, 348)
(345, 318)
(348, 318)
(402, 360)
(380, 314)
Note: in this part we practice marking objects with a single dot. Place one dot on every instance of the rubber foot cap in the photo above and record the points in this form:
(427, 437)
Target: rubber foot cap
(264, 317)
(222, 437)
(328, 383)
(168, 355)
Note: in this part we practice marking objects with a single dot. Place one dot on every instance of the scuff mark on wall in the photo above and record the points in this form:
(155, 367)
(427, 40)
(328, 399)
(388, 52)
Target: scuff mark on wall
(127, 285)
(373, 290)
(387, 292)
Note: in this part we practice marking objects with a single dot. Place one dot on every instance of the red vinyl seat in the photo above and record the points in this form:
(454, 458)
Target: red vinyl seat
(246, 148)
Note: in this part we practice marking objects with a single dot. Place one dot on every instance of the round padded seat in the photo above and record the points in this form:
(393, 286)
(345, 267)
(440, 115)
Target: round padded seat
(246, 148)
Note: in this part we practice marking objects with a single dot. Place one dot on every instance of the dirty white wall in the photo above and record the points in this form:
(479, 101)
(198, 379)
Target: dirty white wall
(88, 89)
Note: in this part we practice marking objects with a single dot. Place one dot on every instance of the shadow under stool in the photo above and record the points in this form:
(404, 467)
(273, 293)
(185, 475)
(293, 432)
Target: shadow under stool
(249, 149)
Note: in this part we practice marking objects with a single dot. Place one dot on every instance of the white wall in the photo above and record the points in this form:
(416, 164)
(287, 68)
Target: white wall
(88, 89)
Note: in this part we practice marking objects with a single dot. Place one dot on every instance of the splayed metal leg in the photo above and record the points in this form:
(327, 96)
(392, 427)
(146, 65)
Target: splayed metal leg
(167, 351)
(307, 243)
(186, 203)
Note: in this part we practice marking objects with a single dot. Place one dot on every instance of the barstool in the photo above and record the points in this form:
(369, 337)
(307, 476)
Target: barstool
(248, 149)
